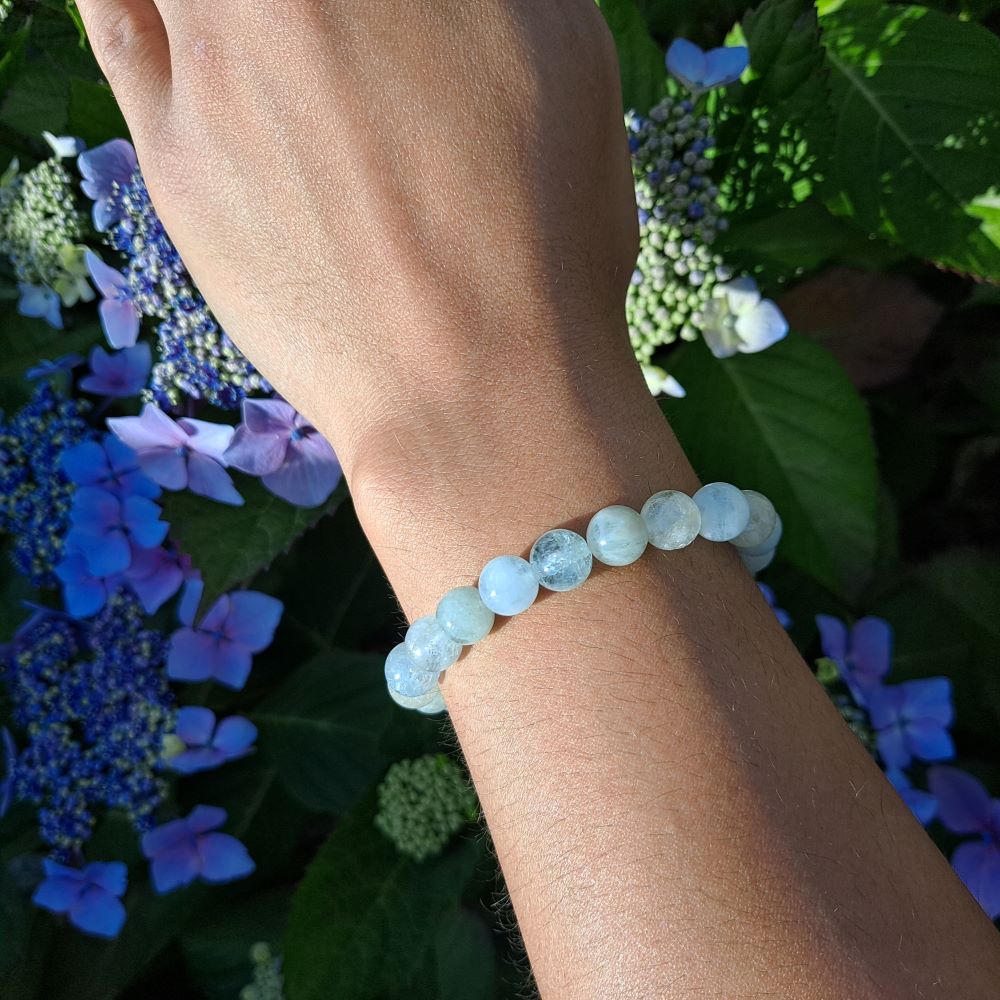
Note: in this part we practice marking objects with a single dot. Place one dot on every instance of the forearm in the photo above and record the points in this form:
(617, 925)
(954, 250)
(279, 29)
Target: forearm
(677, 807)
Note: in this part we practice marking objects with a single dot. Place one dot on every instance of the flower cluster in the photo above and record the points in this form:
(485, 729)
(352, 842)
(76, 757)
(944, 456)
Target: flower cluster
(196, 358)
(268, 982)
(35, 493)
(423, 803)
(41, 229)
(681, 287)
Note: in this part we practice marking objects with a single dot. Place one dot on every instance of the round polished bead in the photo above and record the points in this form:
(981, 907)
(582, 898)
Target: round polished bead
(508, 585)
(430, 646)
(561, 559)
(617, 536)
(763, 518)
(725, 511)
(403, 675)
(769, 544)
(672, 520)
(463, 616)
(436, 706)
(419, 703)
(756, 563)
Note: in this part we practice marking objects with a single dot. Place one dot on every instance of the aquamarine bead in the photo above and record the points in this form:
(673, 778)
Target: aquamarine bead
(756, 563)
(508, 585)
(436, 705)
(561, 559)
(617, 536)
(769, 544)
(403, 675)
(672, 520)
(725, 511)
(430, 646)
(763, 517)
(463, 616)
(419, 703)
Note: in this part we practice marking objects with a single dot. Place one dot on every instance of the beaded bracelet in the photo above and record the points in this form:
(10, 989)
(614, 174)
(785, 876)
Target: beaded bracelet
(561, 560)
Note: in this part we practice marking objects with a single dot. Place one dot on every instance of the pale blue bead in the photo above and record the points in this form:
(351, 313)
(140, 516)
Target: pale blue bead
(769, 544)
(436, 705)
(725, 511)
(763, 518)
(561, 559)
(617, 536)
(419, 703)
(403, 675)
(463, 616)
(508, 585)
(756, 563)
(430, 646)
(672, 520)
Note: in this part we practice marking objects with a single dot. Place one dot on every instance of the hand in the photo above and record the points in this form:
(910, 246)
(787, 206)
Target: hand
(391, 199)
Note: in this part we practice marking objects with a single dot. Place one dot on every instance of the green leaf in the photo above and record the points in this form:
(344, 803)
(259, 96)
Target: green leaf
(643, 73)
(231, 545)
(12, 58)
(788, 422)
(93, 114)
(364, 917)
(703, 21)
(773, 132)
(465, 958)
(23, 938)
(917, 140)
(331, 729)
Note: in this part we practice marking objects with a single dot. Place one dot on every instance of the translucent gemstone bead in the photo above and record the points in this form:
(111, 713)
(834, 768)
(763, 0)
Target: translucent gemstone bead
(419, 703)
(756, 563)
(403, 675)
(436, 706)
(763, 517)
(463, 616)
(508, 585)
(769, 544)
(561, 559)
(672, 520)
(617, 536)
(725, 511)
(430, 646)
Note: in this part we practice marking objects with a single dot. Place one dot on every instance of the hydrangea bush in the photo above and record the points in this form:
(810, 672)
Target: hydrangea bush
(203, 788)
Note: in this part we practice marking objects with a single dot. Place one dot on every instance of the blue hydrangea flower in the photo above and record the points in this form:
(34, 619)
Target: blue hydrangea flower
(156, 574)
(65, 147)
(105, 170)
(699, 70)
(911, 720)
(784, 619)
(180, 454)
(118, 375)
(965, 807)
(49, 369)
(120, 316)
(109, 464)
(739, 320)
(293, 459)
(187, 849)
(105, 526)
(90, 897)
(922, 804)
(209, 744)
(863, 652)
(9, 764)
(222, 645)
(40, 302)
(84, 593)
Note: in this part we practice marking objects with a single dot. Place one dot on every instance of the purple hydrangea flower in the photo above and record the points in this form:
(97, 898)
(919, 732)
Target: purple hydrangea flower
(180, 454)
(222, 645)
(90, 897)
(9, 763)
(784, 619)
(84, 593)
(186, 849)
(207, 743)
(104, 525)
(965, 807)
(155, 575)
(293, 459)
(120, 316)
(111, 465)
(699, 70)
(862, 653)
(39, 302)
(47, 369)
(922, 804)
(103, 168)
(118, 375)
(911, 720)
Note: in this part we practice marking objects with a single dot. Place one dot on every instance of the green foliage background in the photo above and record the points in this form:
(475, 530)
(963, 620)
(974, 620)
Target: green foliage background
(866, 137)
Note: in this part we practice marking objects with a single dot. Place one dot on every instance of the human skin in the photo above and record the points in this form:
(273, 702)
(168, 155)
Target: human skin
(416, 218)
